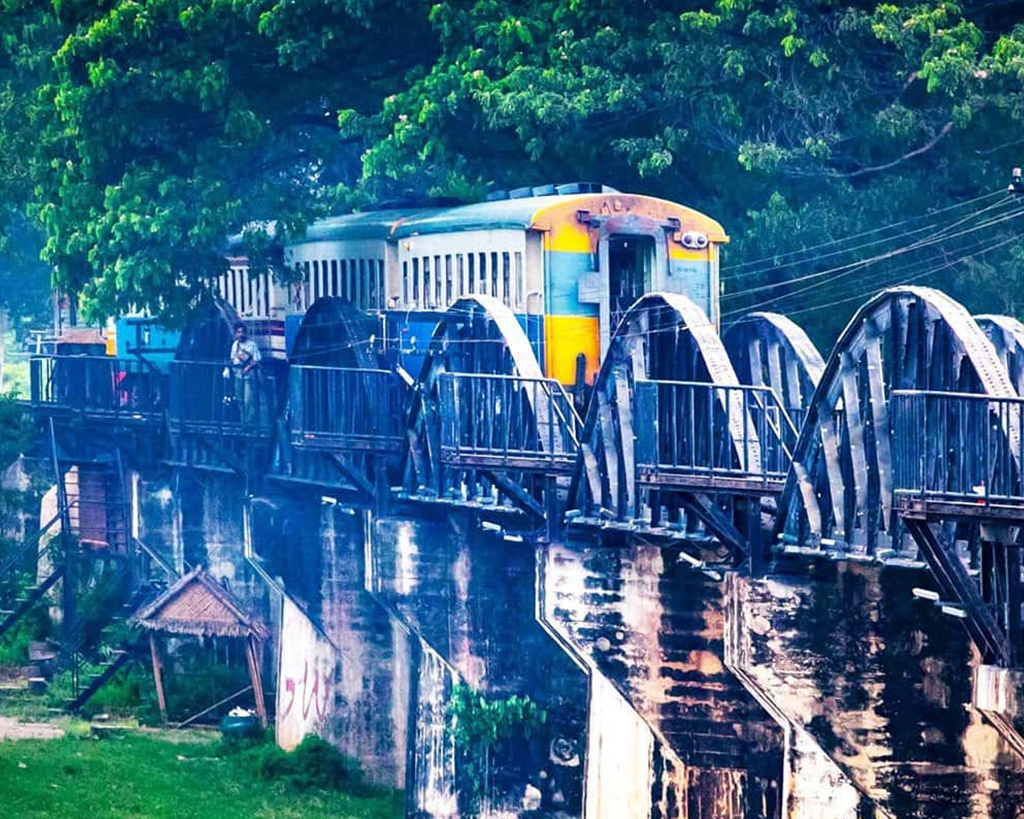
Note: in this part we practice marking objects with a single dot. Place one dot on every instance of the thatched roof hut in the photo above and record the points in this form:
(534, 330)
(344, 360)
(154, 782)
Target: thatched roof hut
(199, 605)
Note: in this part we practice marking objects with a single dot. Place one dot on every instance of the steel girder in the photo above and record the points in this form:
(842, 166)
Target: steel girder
(1007, 336)
(839, 498)
(840, 491)
(664, 337)
(477, 336)
(768, 349)
(343, 422)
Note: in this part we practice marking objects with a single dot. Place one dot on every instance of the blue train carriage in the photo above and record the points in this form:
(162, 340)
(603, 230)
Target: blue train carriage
(567, 263)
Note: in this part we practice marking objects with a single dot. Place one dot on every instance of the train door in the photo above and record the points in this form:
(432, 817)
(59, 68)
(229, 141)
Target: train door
(632, 260)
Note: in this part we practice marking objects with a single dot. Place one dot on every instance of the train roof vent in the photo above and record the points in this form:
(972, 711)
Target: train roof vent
(566, 189)
(578, 187)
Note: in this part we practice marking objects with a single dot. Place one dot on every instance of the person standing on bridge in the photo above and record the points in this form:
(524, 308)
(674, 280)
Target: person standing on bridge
(244, 359)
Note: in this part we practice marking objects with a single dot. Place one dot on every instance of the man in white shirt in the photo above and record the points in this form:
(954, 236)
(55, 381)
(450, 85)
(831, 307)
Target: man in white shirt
(244, 359)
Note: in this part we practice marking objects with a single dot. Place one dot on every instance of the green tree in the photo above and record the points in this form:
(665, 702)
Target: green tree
(182, 123)
(794, 123)
(27, 38)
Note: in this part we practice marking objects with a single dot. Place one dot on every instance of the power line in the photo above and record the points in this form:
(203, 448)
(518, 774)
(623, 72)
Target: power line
(854, 236)
(852, 267)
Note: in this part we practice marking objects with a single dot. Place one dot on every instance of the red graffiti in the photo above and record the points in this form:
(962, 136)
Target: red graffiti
(314, 694)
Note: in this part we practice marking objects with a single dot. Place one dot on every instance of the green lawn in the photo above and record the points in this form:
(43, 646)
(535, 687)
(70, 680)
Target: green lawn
(149, 777)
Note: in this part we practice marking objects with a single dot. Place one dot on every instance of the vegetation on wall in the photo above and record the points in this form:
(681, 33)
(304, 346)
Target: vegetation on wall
(482, 725)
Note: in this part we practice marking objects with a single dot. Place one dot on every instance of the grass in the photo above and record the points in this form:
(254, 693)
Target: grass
(157, 775)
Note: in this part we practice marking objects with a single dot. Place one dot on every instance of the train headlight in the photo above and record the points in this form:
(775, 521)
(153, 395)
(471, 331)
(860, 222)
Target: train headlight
(694, 240)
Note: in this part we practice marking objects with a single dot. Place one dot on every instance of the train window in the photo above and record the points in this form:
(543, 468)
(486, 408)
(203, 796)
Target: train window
(381, 295)
(325, 281)
(371, 276)
(519, 279)
(233, 300)
(447, 280)
(483, 273)
(472, 273)
(405, 283)
(362, 284)
(416, 282)
(334, 277)
(316, 280)
(266, 294)
(426, 282)
(461, 273)
(438, 282)
(506, 275)
(494, 275)
(343, 278)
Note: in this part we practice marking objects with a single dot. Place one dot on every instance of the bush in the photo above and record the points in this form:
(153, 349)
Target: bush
(313, 765)
(33, 627)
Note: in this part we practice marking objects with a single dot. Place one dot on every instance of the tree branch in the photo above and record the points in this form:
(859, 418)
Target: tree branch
(909, 155)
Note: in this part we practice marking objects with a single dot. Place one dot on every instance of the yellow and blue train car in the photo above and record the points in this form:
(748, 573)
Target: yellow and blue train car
(568, 261)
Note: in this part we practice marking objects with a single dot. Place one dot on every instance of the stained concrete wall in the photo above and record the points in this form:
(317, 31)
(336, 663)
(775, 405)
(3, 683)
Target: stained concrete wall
(882, 682)
(672, 693)
(155, 516)
(469, 596)
(347, 669)
(653, 629)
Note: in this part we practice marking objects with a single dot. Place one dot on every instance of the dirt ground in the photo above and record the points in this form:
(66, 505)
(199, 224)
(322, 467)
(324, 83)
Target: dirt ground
(10, 728)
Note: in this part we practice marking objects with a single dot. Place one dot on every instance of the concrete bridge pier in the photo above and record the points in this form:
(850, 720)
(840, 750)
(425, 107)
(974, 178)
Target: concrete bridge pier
(673, 733)
(466, 593)
(883, 682)
(345, 665)
(209, 513)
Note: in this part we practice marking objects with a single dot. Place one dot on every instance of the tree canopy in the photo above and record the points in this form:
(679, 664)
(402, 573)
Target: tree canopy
(144, 132)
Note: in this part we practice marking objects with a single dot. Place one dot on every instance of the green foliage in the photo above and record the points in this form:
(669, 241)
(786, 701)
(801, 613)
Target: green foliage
(35, 626)
(140, 133)
(173, 125)
(846, 115)
(16, 430)
(480, 727)
(314, 765)
(129, 693)
(475, 720)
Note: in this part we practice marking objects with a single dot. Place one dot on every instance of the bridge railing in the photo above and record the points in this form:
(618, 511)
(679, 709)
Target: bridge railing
(337, 408)
(958, 447)
(102, 387)
(218, 399)
(695, 434)
(507, 422)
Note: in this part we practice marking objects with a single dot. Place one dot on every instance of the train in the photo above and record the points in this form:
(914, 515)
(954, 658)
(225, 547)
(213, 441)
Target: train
(567, 260)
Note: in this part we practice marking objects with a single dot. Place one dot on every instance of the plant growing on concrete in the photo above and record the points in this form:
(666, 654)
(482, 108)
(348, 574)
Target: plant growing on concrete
(480, 725)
